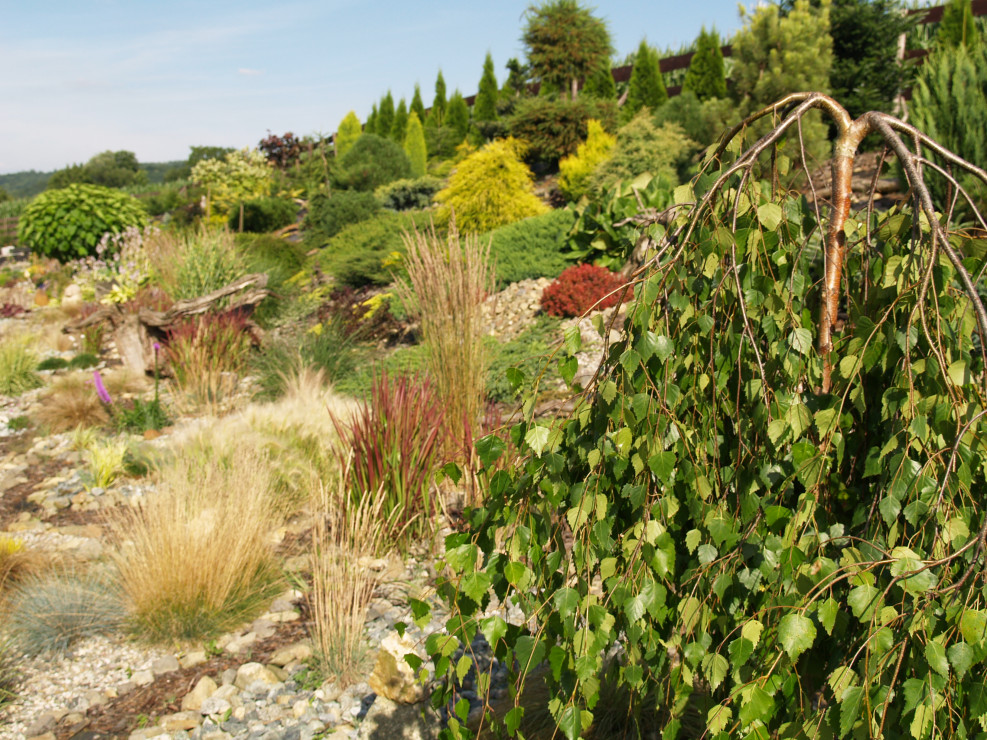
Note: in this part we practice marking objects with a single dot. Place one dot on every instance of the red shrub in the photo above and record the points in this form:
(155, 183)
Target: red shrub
(582, 288)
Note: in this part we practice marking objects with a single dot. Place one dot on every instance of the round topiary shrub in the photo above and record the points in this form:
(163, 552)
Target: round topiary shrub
(581, 288)
(328, 215)
(68, 223)
(374, 161)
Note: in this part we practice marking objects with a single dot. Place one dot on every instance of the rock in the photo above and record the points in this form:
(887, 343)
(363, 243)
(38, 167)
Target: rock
(142, 678)
(72, 296)
(250, 673)
(213, 706)
(205, 688)
(41, 725)
(240, 644)
(228, 676)
(167, 664)
(180, 721)
(297, 653)
(43, 736)
(300, 708)
(193, 658)
(280, 617)
(387, 719)
(262, 628)
(392, 677)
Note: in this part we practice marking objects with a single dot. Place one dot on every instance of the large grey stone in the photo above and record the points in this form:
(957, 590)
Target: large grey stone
(388, 720)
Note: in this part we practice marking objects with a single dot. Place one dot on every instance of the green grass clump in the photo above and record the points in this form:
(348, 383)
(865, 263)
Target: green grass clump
(50, 611)
(209, 261)
(17, 367)
(53, 363)
(8, 672)
(83, 360)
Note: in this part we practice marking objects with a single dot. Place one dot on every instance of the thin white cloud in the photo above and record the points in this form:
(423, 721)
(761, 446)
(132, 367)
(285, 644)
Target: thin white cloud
(247, 72)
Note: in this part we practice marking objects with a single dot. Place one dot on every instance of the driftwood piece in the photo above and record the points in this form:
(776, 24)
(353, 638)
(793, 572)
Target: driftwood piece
(136, 333)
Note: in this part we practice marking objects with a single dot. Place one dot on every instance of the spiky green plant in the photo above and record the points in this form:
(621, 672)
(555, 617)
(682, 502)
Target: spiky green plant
(17, 366)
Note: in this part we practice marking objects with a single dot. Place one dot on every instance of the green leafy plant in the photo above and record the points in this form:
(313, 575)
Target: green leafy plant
(772, 521)
(606, 230)
(527, 354)
(18, 423)
(50, 611)
(208, 260)
(530, 248)
(644, 147)
(17, 366)
(68, 223)
(407, 195)
(234, 177)
(389, 450)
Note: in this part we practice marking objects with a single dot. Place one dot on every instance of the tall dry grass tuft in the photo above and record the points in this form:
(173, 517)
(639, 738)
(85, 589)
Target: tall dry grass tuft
(195, 558)
(347, 535)
(447, 283)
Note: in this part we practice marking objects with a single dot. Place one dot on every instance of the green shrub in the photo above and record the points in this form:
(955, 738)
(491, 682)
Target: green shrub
(8, 671)
(554, 129)
(949, 101)
(576, 169)
(280, 260)
(414, 145)
(368, 253)
(47, 613)
(329, 214)
(347, 134)
(531, 248)
(408, 195)
(643, 147)
(82, 361)
(441, 142)
(703, 122)
(53, 363)
(68, 223)
(17, 367)
(262, 215)
(490, 188)
(646, 88)
(374, 161)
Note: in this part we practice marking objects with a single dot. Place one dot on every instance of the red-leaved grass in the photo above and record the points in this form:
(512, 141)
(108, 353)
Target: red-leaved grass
(391, 447)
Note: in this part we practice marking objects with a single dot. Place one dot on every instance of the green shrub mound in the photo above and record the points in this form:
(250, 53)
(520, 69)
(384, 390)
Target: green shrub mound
(374, 161)
(554, 128)
(369, 252)
(330, 214)
(262, 215)
(765, 555)
(68, 223)
(408, 195)
(531, 248)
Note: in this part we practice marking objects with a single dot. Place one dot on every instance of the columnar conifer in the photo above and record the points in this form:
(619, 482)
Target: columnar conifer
(485, 107)
(438, 113)
(458, 115)
(646, 88)
(385, 115)
(416, 104)
(349, 131)
(600, 84)
(400, 123)
(705, 76)
(414, 145)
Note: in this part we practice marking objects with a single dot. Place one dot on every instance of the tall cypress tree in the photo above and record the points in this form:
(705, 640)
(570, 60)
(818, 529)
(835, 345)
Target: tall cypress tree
(646, 87)
(414, 145)
(600, 84)
(438, 113)
(957, 27)
(370, 127)
(458, 115)
(400, 125)
(385, 115)
(705, 76)
(416, 104)
(347, 134)
(485, 107)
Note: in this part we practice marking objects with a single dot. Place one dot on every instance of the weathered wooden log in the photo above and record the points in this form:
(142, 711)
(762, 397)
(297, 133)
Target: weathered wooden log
(136, 333)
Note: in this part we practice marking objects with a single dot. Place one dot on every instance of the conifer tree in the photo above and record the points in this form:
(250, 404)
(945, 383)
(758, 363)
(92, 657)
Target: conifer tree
(646, 87)
(347, 134)
(565, 43)
(370, 127)
(385, 116)
(957, 27)
(414, 145)
(400, 124)
(458, 115)
(437, 115)
(705, 76)
(600, 84)
(485, 107)
(416, 104)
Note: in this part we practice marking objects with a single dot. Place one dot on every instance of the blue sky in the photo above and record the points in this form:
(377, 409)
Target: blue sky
(83, 76)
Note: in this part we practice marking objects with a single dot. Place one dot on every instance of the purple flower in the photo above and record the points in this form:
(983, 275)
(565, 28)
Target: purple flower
(156, 347)
(104, 395)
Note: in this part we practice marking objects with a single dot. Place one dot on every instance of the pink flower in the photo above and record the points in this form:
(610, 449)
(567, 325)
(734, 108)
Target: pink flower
(104, 395)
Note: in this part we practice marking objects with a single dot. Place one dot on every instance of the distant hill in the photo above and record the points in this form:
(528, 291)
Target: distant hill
(31, 182)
